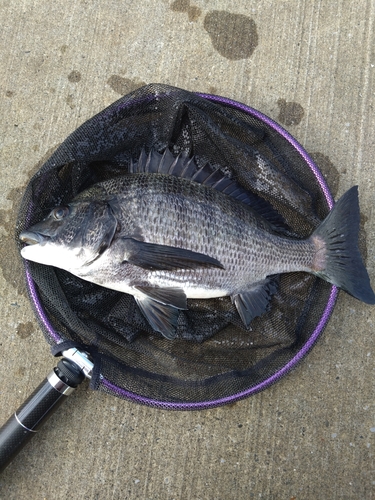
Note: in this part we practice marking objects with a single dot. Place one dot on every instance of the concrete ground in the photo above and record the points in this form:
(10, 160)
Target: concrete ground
(308, 65)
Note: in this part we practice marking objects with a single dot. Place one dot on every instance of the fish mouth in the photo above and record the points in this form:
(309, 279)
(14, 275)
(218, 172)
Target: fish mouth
(31, 238)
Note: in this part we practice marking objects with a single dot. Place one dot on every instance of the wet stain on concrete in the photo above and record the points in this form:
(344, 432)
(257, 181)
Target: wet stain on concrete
(234, 36)
(63, 48)
(10, 258)
(192, 11)
(328, 169)
(24, 330)
(69, 101)
(291, 113)
(9, 93)
(212, 90)
(230, 406)
(124, 85)
(21, 371)
(362, 243)
(74, 76)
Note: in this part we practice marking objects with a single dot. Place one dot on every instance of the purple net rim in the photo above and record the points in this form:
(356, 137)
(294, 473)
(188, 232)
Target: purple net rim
(200, 405)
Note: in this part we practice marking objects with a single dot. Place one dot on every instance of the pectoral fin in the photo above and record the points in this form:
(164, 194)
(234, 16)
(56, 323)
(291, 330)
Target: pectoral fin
(255, 302)
(161, 257)
(161, 308)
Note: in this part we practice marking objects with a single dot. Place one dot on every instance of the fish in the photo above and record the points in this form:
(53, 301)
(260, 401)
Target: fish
(171, 229)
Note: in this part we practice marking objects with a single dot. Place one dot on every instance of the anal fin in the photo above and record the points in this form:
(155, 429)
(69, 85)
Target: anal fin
(175, 297)
(255, 302)
(161, 308)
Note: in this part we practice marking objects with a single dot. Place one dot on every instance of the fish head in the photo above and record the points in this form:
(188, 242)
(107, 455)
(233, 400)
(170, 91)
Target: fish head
(71, 236)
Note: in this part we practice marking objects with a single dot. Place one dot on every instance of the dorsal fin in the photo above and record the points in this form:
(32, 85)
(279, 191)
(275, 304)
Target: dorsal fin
(186, 167)
(166, 163)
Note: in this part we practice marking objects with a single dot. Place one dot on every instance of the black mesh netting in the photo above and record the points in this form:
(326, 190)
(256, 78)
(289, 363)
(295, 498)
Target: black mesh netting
(214, 356)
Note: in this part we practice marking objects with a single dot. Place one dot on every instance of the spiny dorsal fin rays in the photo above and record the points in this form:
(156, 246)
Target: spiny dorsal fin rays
(186, 167)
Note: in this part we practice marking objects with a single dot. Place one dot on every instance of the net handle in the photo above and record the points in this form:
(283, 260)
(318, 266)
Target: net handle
(39, 406)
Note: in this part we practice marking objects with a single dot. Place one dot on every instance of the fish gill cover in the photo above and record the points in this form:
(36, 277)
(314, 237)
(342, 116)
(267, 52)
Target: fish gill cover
(214, 356)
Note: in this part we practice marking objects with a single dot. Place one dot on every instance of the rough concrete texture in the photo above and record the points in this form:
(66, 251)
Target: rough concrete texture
(310, 66)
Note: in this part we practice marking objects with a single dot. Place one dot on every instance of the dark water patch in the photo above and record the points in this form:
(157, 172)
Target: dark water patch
(24, 330)
(234, 36)
(74, 76)
(21, 372)
(230, 406)
(192, 11)
(9, 93)
(124, 85)
(363, 237)
(291, 113)
(70, 102)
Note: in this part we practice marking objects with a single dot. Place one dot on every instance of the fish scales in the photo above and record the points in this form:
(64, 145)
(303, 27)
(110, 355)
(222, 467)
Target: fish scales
(179, 213)
(170, 231)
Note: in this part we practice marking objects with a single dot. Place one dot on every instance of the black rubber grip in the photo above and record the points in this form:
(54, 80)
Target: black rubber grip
(22, 426)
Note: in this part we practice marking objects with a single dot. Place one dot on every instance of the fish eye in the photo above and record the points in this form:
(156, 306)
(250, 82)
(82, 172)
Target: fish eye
(60, 212)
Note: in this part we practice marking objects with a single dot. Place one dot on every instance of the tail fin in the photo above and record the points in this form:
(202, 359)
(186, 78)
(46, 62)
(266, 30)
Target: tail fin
(343, 262)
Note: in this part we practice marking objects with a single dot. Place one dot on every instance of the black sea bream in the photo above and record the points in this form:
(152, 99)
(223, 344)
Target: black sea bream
(169, 231)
